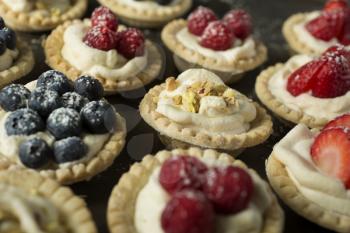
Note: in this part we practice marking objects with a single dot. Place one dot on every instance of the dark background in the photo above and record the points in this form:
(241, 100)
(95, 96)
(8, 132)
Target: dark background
(268, 16)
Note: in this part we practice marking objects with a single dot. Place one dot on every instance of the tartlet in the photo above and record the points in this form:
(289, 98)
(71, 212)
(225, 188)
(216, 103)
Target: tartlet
(121, 206)
(24, 21)
(73, 213)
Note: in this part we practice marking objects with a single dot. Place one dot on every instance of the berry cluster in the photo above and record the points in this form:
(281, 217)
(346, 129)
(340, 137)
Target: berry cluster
(103, 35)
(219, 34)
(8, 37)
(197, 192)
(63, 109)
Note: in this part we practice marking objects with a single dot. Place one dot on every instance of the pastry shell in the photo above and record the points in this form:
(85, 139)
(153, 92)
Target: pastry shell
(289, 193)
(85, 170)
(260, 130)
(53, 47)
(279, 108)
(121, 204)
(226, 69)
(23, 21)
(147, 17)
(73, 209)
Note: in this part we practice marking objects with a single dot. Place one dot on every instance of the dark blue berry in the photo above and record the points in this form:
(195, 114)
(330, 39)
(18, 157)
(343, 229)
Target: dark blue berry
(2, 46)
(44, 101)
(99, 117)
(9, 36)
(74, 100)
(24, 121)
(63, 123)
(13, 97)
(69, 149)
(35, 153)
(55, 81)
(2, 23)
(89, 87)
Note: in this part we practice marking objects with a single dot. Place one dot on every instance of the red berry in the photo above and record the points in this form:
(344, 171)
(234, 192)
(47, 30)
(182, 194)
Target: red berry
(199, 19)
(217, 36)
(188, 212)
(338, 50)
(240, 22)
(182, 172)
(101, 37)
(229, 189)
(331, 153)
(131, 43)
(339, 122)
(104, 17)
(335, 5)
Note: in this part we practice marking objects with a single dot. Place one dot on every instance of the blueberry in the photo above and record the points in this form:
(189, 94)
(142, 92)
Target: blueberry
(55, 81)
(9, 36)
(35, 153)
(69, 149)
(99, 117)
(24, 121)
(2, 46)
(13, 97)
(2, 23)
(89, 87)
(44, 101)
(63, 123)
(74, 100)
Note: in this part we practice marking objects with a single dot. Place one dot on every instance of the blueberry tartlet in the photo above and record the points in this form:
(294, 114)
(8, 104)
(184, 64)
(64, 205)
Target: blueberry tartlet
(119, 57)
(66, 132)
(193, 191)
(148, 13)
(34, 204)
(40, 15)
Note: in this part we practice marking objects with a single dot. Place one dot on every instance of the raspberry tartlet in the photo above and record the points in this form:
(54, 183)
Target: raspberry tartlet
(40, 15)
(192, 190)
(309, 170)
(32, 203)
(225, 47)
(198, 109)
(66, 132)
(307, 89)
(119, 57)
(148, 14)
(313, 32)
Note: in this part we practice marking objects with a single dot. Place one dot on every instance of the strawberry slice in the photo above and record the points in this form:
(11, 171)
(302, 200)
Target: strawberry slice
(342, 121)
(331, 154)
(338, 50)
(335, 5)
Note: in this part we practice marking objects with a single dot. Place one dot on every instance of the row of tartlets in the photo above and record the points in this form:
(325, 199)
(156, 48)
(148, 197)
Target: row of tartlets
(61, 126)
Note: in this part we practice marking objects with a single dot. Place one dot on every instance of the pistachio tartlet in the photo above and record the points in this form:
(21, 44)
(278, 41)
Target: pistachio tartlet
(40, 15)
(198, 109)
(30, 203)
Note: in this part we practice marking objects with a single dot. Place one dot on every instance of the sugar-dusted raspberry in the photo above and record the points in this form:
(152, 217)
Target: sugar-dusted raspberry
(131, 43)
(240, 22)
(199, 19)
(103, 16)
(101, 37)
(217, 36)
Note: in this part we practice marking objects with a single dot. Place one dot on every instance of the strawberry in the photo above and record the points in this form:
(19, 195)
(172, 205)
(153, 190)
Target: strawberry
(335, 5)
(101, 37)
(217, 36)
(199, 19)
(240, 22)
(331, 153)
(338, 50)
(341, 121)
(104, 17)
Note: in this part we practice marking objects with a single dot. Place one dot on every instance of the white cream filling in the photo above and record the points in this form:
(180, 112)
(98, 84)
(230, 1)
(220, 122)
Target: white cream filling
(294, 152)
(326, 108)
(7, 58)
(214, 115)
(95, 62)
(147, 5)
(154, 197)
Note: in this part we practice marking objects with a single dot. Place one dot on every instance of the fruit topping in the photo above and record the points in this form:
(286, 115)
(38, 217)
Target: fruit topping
(339, 122)
(188, 211)
(55, 81)
(217, 36)
(89, 87)
(74, 100)
(69, 149)
(24, 121)
(14, 96)
(182, 172)
(199, 19)
(9, 36)
(63, 123)
(335, 5)
(240, 22)
(101, 37)
(35, 153)
(131, 43)
(99, 117)
(102, 16)
(44, 101)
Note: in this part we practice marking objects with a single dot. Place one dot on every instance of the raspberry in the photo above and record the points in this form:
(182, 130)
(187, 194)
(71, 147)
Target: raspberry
(199, 19)
(217, 36)
(131, 43)
(101, 37)
(103, 16)
(182, 172)
(240, 22)
(188, 212)
(229, 189)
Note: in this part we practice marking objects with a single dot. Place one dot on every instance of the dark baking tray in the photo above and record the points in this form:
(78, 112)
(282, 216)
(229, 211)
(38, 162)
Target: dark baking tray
(268, 17)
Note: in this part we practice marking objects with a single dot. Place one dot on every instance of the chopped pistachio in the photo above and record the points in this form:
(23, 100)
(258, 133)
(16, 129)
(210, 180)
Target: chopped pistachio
(229, 96)
(177, 99)
(190, 101)
(171, 84)
(220, 89)
(55, 11)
